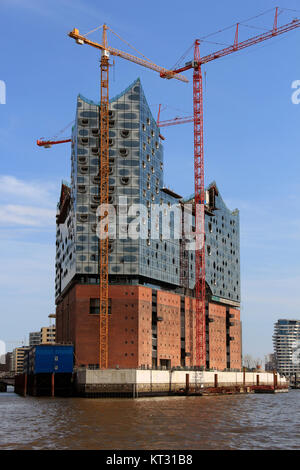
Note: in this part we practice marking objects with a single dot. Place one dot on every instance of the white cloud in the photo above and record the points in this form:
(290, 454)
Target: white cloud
(26, 215)
(16, 190)
(26, 286)
(27, 203)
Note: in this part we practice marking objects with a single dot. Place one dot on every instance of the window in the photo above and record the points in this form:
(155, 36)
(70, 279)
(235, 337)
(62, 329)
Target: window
(125, 134)
(95, 306)
(124, 179)
(81, 188)
(123, 152)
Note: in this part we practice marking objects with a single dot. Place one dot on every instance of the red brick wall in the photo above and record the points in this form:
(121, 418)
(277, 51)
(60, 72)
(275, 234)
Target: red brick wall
(217, 336)
(145, 326)
(168, 330)
(190, 328)
(130, 328)
(130, 321)
(65, 318)
(86, 326)
(123, 326)
(235, 346)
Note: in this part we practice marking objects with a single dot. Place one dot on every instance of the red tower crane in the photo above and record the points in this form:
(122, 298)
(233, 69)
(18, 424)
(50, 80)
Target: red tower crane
(174, 121)
(54, 140)
(199, 163)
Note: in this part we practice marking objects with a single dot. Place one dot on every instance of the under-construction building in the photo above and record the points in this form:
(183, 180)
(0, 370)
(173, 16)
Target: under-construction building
(152, 275)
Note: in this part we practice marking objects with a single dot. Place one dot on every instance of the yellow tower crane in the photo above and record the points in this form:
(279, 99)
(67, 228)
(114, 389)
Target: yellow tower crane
(106, 51)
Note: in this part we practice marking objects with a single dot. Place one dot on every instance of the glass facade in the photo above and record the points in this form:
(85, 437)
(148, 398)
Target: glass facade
(136, 172)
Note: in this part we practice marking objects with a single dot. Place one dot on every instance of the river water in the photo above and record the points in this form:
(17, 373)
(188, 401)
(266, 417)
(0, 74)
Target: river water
(225, 422)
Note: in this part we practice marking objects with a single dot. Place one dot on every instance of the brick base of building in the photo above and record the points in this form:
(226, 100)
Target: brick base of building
(147, 328)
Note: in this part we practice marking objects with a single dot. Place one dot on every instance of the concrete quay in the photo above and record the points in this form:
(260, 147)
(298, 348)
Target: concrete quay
(138, 383)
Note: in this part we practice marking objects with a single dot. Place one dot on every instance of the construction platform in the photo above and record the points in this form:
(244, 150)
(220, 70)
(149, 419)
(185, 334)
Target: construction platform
(140, 383)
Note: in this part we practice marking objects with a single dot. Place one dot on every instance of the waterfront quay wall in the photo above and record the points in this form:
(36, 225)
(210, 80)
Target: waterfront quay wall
(44, 384)
(136, 382)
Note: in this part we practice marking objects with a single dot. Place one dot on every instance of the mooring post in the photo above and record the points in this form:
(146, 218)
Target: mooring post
(35, 386)
(25, 385)
(216, 380)
(244, 376)
(52, 385)
(275, 379)
(187, 383)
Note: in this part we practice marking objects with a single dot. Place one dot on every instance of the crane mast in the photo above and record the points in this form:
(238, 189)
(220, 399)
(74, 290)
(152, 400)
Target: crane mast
(199, 210)
(104, 179)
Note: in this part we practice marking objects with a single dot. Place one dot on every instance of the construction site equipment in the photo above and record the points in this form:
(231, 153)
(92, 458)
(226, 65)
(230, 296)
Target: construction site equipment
(106, 51)
(196, 64)
(48, 143)
(174, 121)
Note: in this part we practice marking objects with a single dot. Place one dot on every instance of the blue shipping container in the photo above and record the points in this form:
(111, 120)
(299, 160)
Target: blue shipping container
(50, 359)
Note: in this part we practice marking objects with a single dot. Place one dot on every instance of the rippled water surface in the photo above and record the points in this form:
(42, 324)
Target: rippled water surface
(228, 422)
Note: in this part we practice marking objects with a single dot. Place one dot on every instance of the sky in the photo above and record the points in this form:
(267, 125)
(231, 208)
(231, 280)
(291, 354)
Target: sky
(251, 138)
